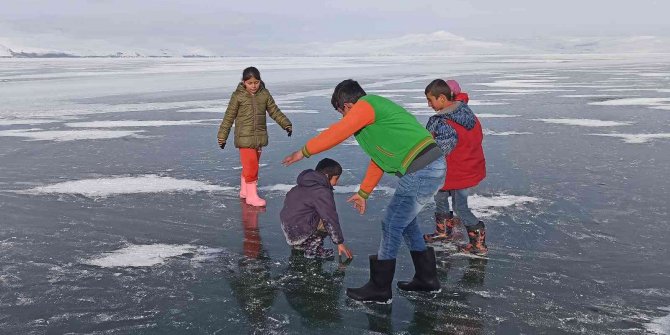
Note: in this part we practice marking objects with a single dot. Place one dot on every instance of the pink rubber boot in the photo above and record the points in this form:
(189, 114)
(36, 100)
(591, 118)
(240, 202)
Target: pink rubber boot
(243, 188)
(252, 195)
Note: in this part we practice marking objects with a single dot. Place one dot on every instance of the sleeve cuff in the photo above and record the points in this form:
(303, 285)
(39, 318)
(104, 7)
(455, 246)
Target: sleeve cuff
(363, 194)
(305, 153)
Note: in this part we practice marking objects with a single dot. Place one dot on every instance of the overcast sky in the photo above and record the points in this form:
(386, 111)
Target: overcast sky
(220, 25)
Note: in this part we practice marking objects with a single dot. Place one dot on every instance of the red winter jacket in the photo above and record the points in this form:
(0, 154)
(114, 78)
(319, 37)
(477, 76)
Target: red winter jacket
(466, 165)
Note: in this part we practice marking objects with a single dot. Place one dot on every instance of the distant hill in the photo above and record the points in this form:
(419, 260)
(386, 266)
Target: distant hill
(436, 43)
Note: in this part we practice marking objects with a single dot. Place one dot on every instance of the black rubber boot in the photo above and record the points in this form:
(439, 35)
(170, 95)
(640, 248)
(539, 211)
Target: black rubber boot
(378, 288)
(425, 273)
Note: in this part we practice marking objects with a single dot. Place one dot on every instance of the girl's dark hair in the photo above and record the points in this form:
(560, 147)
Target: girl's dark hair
(329, 167)
(439, 87)
(347, 91)
(251, 72)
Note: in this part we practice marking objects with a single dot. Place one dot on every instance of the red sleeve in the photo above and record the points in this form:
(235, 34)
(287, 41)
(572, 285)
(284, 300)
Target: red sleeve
(372, 177)
(359, 116)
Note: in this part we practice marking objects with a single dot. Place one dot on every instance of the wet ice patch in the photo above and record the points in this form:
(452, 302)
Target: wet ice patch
(585, 122)
(133, 123)
(632, 102)
(521, 91)
(489, 206)
(660, 325)
(489, 115)
(104, 187)
(37, 134)
(636, 138)
(148, 255)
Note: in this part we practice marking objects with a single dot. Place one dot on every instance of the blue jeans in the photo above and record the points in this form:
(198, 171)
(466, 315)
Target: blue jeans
(459, 201)
(414, 191)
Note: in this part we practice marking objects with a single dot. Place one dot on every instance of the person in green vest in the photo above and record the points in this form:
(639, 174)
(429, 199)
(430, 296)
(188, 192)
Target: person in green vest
(397, 144)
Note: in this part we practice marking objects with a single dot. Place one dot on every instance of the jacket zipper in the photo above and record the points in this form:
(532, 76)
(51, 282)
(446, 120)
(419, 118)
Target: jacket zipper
(253, 108)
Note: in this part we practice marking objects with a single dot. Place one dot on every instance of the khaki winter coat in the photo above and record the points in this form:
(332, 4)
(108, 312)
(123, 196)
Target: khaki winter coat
(248, 112)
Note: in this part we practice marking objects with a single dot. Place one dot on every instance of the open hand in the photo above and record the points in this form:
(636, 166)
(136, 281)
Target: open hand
(342, 249)
(292, 158)
(358, 202)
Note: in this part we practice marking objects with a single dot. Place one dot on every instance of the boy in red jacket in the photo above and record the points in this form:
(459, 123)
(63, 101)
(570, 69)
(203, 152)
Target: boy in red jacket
(459, 134)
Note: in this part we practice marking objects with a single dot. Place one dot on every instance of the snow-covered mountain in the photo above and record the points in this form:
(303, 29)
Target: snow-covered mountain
(436, 43)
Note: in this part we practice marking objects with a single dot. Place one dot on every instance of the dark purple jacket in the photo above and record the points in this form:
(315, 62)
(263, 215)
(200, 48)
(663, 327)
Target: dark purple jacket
(312, 199)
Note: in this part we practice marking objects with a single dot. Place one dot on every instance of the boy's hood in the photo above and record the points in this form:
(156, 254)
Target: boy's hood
(310, 178)
(460, 113)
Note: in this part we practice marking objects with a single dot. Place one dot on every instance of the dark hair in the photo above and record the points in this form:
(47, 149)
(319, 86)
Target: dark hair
(329, 167)
(439, 87)
(251, 72)
(347, 91)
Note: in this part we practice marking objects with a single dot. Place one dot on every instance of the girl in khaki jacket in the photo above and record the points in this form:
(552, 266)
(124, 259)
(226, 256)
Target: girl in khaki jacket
(247, 107)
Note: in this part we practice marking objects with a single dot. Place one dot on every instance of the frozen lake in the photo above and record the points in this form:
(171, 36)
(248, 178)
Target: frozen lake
(119, 213)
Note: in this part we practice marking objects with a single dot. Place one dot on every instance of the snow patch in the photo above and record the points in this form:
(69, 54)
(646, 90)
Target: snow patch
(488, 115)
(489, 206)
(11, 122)
(104, 187)
(486, 103)
(636, 138)
(240, 168)
(660, 325)
(504, 133)
(585, 122)
(632, 102)
(36, 134)
(148, 255)
(299, 111)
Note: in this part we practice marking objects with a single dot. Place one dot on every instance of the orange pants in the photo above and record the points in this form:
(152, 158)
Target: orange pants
(249, 158)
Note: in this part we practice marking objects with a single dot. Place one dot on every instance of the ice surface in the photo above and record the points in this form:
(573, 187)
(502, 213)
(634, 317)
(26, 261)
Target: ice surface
(636, 138)
(104, 187)
(146, 255)
(585, 122)
(134, 123)
(37, 134)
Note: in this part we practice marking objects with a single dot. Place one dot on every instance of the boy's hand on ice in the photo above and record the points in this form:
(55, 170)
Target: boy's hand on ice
(292, 158)
(342, 249)
(222, 143)
(289, 131)
(358, 202)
